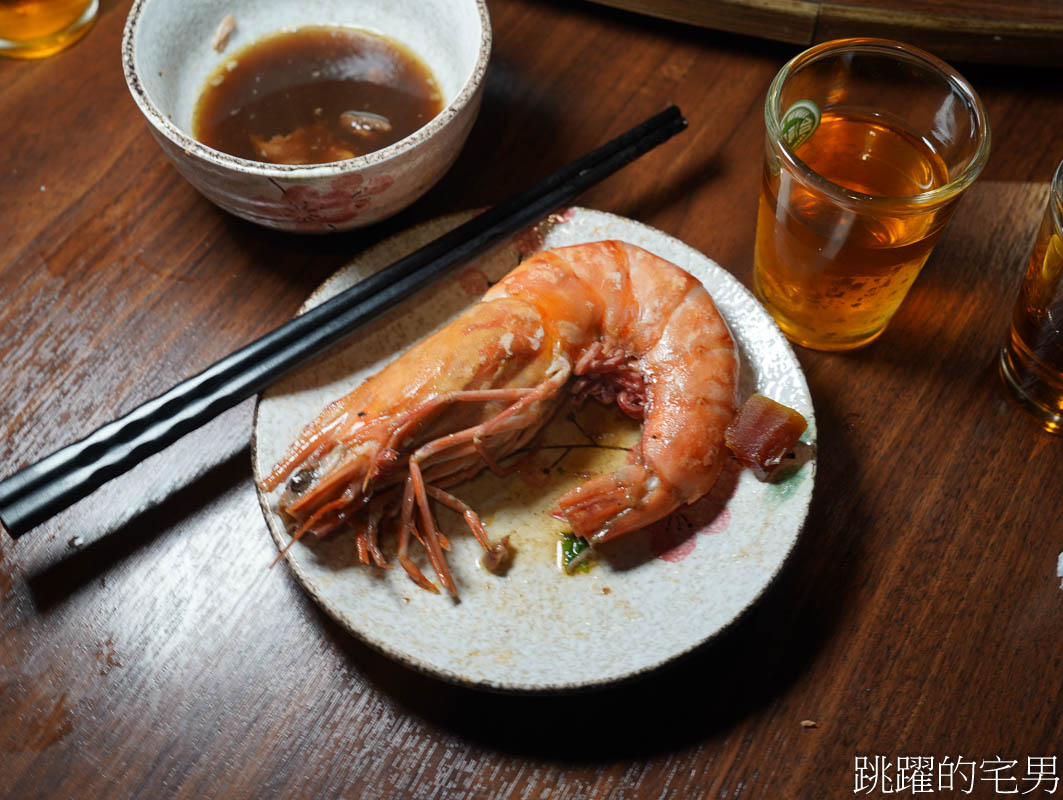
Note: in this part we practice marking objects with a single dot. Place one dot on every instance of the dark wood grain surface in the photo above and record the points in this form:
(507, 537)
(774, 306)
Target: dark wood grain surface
(148, 651)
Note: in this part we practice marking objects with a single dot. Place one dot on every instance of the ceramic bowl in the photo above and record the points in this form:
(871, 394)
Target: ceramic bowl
(168, 53)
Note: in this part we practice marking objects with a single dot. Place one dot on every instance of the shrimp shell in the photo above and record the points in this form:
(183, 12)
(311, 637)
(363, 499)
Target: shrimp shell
(608, 320)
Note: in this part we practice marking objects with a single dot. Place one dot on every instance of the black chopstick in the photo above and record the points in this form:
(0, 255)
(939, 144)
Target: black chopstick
(43, 489)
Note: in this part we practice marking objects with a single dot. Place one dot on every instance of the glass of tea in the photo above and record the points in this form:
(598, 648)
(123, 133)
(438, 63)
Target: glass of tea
(39, 28)
(869, 145)
(1031, 361)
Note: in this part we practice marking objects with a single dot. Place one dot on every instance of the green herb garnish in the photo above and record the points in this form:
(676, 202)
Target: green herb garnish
(572, 546)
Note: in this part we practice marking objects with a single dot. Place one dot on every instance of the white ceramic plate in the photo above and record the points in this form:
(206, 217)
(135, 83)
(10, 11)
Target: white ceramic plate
(658, 595)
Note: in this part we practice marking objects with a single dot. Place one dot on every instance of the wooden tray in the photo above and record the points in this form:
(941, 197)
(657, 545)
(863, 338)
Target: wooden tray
(1020, 32)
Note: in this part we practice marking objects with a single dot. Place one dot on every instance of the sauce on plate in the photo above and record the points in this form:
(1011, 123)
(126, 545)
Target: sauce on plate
(315, 95)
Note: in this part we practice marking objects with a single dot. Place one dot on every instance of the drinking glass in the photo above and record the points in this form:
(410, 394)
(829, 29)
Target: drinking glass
(869, 145)
(1031, 361)
(39, 28)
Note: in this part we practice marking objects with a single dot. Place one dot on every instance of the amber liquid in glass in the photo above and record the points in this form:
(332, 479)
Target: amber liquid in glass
(832, 274)
(1032, 360)
(34, 28)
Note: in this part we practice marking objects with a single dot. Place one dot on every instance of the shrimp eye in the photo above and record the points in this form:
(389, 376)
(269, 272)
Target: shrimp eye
(301, 481)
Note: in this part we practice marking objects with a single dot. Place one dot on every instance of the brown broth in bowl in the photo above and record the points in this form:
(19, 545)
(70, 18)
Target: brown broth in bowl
(315, 95)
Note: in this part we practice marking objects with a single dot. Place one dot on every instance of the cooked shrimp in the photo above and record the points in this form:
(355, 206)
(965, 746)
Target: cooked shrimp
(607, 319)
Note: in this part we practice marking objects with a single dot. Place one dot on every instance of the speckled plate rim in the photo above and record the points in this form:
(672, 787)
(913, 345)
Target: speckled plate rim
(754, 319)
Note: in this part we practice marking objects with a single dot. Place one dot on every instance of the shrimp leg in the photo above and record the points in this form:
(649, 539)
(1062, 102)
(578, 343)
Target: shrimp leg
(472, 519)
(513, 417)
(407, 526)
(414, 417)
(430, 531)
(496, 555)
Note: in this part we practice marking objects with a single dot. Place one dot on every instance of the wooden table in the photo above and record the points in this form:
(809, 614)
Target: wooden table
(147, 651)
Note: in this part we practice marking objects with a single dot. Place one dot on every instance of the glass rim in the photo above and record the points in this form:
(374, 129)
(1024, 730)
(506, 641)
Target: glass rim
(1055, 197)
(914, 203)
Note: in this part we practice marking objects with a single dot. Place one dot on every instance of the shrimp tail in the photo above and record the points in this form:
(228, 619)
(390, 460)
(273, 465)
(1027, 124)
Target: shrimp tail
(596, 507)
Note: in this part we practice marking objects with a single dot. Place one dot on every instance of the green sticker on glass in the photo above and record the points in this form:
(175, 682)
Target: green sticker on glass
(799, 123)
